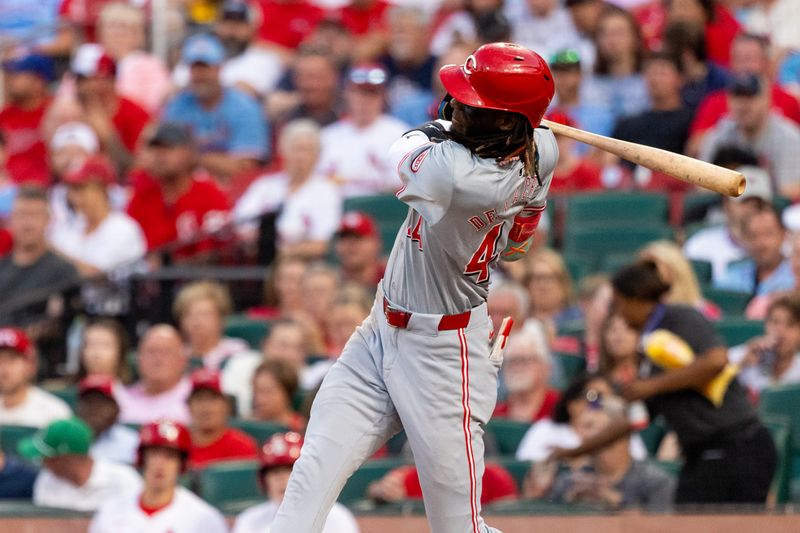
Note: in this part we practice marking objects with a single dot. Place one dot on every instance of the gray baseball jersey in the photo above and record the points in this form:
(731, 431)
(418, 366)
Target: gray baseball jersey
(438, 384)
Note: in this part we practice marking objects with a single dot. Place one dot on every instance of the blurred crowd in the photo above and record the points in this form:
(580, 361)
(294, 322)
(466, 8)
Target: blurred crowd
(142, 136)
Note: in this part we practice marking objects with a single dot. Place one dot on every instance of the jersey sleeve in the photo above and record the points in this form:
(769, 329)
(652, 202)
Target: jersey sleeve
(426, 170)
(548, 158)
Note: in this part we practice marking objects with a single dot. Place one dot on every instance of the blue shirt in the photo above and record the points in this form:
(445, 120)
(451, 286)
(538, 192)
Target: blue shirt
(29, 23)
(741, 277)
(789, 72)
(235, 126)
(16, 479)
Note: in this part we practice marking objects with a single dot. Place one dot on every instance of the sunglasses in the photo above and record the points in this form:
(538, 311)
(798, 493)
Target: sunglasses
(368, 76)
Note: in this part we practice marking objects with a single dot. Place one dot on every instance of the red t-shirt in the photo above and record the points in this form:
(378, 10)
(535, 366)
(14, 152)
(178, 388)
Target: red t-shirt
(551, 398)
(129, 121)
(497, 484)
(25, 145)
(6, 241)
(232, 445)
(715, 106)
(288, 23)
(360, 21)
(583, 177)
(201, 208)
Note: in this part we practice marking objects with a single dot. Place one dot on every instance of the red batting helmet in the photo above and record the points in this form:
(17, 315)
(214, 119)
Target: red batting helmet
(281, 449)
(164, 434)
(502, 76)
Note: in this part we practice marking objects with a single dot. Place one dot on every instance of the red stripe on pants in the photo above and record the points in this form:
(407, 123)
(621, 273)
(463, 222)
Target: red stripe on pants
(467, 432)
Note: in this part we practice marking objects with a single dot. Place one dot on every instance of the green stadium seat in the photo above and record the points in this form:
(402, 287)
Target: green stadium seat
(68, 394)
(785, 402)
(618, 209)
(10, 436)
(517, 469)
(356, 487)
(249, 330)
(652, 436)
(571, 366)
(579, 266)
(257, 429)
(611, 263)
(596, 241)
(702, 270)
(698, 202)
(732, 303)
(780, 427)
(226, 482)
(388, 212)
(736, 331)
(507, 434)
(672, 468)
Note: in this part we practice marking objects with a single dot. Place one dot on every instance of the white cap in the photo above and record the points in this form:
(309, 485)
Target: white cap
(75, 134)
(759, 184)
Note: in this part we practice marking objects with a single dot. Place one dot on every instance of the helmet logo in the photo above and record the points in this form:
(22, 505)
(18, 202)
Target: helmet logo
(470, 64)
(168, 431)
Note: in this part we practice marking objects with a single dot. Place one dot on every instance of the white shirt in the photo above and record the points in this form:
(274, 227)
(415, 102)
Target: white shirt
(311, 213)
(117, 240)
(186, 514)
(757, 378)
(118, 444)
(545, 435)
(546, 35)
(258, 519)
(38, 410)
(715, 246)
(257, 67)
(106, 481)
(358, 158)
(138, 407)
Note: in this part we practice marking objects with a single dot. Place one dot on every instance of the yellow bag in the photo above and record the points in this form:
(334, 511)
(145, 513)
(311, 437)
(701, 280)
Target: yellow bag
(669, 352)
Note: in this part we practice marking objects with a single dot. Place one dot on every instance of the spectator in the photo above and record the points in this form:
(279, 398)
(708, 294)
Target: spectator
(774, 358)
(664, 124)
(201, 309)
(278, 455)
(550, 289)
(71, 479)
(309, 206)
(282, 288)
(162, 389)
(98, 408)
(777, 19)
(617, 85)
(751, 124)
(701, 77)
(287, 23)
(286, 341)
(26, 80)
(545, 26)
(227, 124)
(618, 350)
(594, 301)
(104, 351)
(8, 189)
(723, 244)
(766, 270)
(249, 66)
(359, 250)
(585, 16)
(721, 28)
(675, 268)
(177, 205)
(162, 504)
(402, 483)
(319, 286)
(354, 149)
(36, 25)
(275, 384)
(212, 439)
(99, 239)
(117, 120)
(17, 478)
(573, 172)
(141, 76)
(789, 74)
(31, 276)
(613, 478)
(22, 403)
(526, 375)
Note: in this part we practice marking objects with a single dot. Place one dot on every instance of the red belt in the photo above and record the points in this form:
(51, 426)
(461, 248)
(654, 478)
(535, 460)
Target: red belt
(399, 319)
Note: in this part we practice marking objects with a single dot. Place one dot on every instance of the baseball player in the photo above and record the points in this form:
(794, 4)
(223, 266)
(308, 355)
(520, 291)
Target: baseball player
(278, 456)
(476, 187)
(162, 506)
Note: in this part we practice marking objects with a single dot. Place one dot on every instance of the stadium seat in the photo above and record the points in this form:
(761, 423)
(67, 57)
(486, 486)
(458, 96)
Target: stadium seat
(736, 331)
(618, 209)
(611, 263)
(11, 435)
(703, 270)
(260, 431)
(696, 204)
(356, 487)
(571, 366)
(652, 436)
(226, 482)
(517, 469)
(388, 212)
(68, 394)
(593, 240)
(785, 402)
(780, 427)
(249, 330)
(732, 303)
(507, 434)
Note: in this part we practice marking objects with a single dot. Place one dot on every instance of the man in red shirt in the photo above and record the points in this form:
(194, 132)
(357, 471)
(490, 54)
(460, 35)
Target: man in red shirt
(20, 121)
(287, 23)
(117, 120)
(212, 439)
(171, 202)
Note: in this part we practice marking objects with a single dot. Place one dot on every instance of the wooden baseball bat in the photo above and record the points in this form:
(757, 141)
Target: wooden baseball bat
(684, 168)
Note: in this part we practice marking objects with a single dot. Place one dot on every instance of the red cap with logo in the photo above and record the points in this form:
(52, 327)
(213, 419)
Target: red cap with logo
(94, 169)
(281, 449)
(16, 340)
(203, 379)
(164, 434)
(97, 383)
(92, 60)
(358, 223)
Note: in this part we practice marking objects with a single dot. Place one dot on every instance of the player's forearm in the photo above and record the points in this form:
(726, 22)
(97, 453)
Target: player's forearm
(521, 235)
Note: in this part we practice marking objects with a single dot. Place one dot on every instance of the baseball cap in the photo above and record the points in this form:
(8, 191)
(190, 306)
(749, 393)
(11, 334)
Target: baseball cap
(92, 60)
(95, 169)
(359, 224)
(759, 184)
(203, 48)
(16, 340)
(203, 379)
(236, 10)
(37, 64)
(564, 59)
(170, 134)
(70, 436)
(744, 85)
(97, 383)
(281, 449)
(75, 134)
(368, 75)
